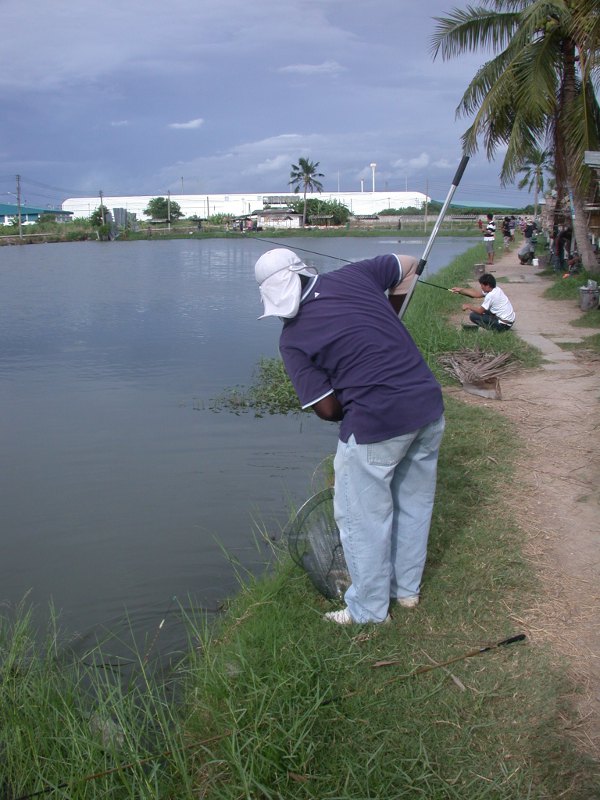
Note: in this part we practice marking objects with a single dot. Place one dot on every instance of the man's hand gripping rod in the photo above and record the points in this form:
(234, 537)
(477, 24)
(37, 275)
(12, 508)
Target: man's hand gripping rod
(436, 227)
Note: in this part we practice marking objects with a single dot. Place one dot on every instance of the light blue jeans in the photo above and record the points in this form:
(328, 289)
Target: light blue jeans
(383, 501)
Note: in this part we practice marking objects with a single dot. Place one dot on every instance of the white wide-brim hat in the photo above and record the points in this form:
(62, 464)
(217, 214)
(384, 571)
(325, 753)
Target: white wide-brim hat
(278, 275)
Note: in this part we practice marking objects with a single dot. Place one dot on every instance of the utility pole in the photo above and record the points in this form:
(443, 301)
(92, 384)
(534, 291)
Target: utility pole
(102, 207)
(19, 206)
(169, 209)
(426, 203)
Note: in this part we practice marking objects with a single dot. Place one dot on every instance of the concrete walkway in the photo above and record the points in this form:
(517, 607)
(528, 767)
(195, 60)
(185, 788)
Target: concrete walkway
(541, 322)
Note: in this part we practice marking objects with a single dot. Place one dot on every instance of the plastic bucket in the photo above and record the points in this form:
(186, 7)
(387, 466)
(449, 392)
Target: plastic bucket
(588, 298)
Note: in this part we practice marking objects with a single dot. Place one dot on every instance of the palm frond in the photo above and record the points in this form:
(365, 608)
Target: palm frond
(472, 29)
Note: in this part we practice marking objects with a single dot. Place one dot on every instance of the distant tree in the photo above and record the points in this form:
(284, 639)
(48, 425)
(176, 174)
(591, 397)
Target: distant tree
(99, 216)
(304, 176)
(411, 211)
(533, 169)
(338, 212)
(163, 208)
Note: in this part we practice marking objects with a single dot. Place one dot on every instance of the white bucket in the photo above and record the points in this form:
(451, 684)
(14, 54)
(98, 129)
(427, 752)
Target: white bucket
(536, 262)
(588, 298)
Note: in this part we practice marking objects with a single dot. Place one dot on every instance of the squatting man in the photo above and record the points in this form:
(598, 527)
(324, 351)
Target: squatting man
(352, 361)
(495, 312)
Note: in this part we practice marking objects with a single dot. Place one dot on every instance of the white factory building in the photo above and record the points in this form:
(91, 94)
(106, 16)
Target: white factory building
(204, 206)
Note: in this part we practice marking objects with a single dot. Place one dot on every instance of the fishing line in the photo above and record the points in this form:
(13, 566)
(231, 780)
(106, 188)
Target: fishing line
(278, 244)
(326, 255)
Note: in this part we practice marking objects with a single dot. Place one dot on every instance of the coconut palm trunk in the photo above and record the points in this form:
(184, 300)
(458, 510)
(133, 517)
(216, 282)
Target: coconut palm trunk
(575, 186)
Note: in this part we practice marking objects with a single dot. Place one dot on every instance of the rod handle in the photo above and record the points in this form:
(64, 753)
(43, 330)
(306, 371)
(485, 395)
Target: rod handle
(459, 172)
(518, 638)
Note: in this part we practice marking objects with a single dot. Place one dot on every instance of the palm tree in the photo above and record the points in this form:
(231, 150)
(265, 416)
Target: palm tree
(533, 168)
(538, 87)
(304, 174)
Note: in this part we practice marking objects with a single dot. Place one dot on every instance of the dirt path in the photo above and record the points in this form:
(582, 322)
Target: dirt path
(556, 498)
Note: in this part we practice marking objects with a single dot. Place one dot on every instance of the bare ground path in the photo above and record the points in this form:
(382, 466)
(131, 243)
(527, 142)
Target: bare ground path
(556, 497)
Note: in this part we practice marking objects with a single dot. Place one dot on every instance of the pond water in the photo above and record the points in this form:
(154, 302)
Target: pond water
(124, 497)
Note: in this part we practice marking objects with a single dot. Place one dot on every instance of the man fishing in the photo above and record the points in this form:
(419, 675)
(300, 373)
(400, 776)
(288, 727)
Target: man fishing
(495, 312)
(352, 361)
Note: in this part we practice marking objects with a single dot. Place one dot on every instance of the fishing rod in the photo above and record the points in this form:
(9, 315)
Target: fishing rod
(519, 637)
(119, 768)
(437, 285)
(421, 265)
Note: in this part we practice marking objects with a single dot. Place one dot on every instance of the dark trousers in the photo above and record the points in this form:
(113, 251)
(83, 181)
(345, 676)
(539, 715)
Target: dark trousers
(489, 321)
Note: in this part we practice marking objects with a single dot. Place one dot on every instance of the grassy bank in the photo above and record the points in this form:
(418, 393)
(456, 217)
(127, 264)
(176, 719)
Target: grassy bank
(309, 716)
(569, 289)
(51, 233)
(275, 703)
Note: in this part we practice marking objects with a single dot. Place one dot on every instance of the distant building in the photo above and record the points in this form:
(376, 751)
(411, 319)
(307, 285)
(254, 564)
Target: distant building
(239, 205)
(277, 218)
(9, 214)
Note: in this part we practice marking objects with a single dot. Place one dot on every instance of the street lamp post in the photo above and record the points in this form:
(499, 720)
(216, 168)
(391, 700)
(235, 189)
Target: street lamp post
(373, 165)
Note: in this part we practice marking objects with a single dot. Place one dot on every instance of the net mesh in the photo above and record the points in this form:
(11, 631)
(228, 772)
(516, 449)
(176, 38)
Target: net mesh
(314, 544)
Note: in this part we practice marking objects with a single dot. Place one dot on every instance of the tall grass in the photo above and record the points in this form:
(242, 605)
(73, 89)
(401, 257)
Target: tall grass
(74, 728)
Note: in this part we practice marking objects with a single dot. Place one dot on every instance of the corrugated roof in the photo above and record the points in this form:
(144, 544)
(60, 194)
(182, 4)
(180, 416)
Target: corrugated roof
(478, 204)
(10, 210)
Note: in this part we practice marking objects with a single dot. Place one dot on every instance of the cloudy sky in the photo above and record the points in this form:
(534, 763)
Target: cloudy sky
(191, 96)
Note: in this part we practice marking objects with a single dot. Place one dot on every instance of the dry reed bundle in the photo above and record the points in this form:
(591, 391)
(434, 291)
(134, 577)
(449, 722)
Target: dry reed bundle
(479, 372)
